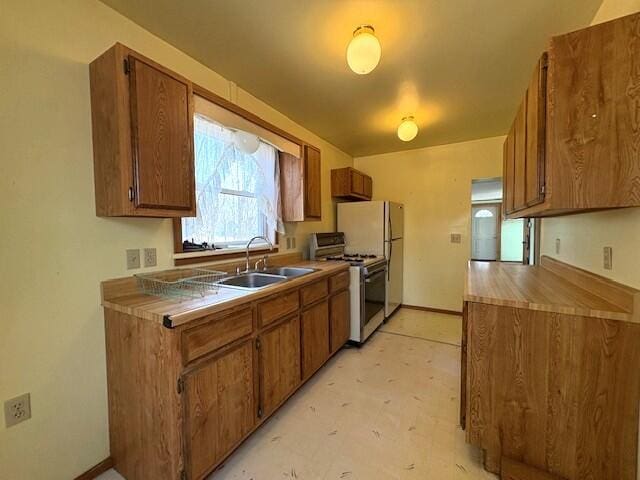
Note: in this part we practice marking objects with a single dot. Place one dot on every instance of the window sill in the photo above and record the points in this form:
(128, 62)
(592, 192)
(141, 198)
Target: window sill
(189, 258)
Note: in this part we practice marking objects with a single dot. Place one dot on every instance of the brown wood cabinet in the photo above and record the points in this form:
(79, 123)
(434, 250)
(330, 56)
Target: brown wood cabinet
(219, 408)
(574, 138)
(315, 338)
(279, 351)
(350, 183)
(550, 387)
(340, 320)
(142, 122)
(200, 388)
(301, 185)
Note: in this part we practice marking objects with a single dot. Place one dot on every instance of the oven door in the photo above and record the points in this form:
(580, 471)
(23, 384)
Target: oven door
(372, 301)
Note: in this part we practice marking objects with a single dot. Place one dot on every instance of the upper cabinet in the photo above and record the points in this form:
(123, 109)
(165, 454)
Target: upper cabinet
(301, 185)
(351, 184)
(142, 117)
(573, 146)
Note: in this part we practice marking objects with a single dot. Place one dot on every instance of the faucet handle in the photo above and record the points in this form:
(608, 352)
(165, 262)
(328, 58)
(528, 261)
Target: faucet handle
(265, 261)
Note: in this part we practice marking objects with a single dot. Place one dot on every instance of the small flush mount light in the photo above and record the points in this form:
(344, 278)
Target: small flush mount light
(363, 52)
(408, 129)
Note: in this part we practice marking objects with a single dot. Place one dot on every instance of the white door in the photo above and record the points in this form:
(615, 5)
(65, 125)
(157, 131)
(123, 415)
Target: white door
(395, 256)
(395, 221)
(484, 232)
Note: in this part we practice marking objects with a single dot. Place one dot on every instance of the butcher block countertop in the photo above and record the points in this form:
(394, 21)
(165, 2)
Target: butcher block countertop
(551, 287)
(123, 296)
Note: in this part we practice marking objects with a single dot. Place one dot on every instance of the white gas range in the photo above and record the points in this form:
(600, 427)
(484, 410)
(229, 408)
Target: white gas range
(367, 286)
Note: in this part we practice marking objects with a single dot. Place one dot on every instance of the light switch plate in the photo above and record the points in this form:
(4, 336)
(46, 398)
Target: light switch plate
(150, 257)
(17, 410)
(608, 258)
(456, 238)
(133, 258)
(557, 246)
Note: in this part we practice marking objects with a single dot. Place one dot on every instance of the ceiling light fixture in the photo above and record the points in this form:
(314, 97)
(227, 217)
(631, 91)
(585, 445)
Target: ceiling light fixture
(363, 52)
(408, 129)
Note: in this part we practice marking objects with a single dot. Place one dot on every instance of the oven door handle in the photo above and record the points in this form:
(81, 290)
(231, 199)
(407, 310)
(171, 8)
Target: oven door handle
(374, 276)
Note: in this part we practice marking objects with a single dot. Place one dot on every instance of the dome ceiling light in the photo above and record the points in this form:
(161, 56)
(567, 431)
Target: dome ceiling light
(408, 129)
(363, 52)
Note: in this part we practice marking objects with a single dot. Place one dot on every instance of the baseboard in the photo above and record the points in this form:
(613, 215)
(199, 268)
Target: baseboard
(96, 470)
(431, 309)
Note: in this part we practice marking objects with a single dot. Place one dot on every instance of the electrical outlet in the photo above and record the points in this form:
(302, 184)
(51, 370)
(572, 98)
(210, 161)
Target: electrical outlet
(288, 243)
(17, 410)
(557, 246)
(608, 258)
(133, 258)
(150, 258)
(293, 242)
(456, 238)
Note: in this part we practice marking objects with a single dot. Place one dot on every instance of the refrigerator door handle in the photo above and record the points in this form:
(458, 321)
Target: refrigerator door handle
(389, 260)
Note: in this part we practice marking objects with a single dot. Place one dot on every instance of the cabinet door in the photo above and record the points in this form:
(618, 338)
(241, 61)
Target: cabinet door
(536, 130)
(162, 138)
(509, 159)
(312, 191)
(219, 408)
(520, 157)
(340, 317)
(279, 363)
(315, 338)
(368, 187)
(357, 183)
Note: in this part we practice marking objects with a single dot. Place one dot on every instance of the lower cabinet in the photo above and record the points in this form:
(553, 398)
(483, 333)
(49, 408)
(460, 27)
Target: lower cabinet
(340, 319)
(279, 360)
(315, 337)
(220, 408)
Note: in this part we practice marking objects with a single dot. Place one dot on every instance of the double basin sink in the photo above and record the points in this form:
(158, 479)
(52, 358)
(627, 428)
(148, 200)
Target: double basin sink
(263, 278)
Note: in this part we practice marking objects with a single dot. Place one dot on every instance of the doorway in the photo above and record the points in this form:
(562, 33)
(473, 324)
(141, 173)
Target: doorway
(494, 238)
(485, 231)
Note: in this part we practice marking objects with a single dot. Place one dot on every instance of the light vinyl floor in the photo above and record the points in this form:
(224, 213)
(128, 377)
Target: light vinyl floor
(385, 411)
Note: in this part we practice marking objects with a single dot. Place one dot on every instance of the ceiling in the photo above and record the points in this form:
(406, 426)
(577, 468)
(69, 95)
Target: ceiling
(460, 67)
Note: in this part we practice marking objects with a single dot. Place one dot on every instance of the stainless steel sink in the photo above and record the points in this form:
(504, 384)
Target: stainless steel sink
(252, 281)
(289, 272)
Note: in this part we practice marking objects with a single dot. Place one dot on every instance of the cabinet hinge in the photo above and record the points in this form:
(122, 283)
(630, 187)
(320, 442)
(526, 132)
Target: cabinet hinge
(183, 475)
(258, 345)
(180, 386)
(131, 196)
(259, 412)
(542, 189)
(125, 64)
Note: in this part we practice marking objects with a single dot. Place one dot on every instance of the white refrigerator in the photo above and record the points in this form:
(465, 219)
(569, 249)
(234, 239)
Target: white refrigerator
(377, 228)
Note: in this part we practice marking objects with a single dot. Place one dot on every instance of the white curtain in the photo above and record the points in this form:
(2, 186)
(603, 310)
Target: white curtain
(237, 194)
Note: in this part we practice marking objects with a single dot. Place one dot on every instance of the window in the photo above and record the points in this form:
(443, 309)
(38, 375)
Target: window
(237, 194)
(484, 213)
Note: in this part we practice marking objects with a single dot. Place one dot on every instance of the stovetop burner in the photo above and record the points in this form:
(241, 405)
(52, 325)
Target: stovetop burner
(359, 255)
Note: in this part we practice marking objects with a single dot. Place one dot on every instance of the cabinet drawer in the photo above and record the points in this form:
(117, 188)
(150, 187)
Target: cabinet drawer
(276, 308)
(314, 292)
(206, 338)
(339, 281)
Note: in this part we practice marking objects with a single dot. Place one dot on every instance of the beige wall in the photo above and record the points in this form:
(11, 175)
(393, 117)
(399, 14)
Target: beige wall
(53, 249)
(435, 186)
(582, 237)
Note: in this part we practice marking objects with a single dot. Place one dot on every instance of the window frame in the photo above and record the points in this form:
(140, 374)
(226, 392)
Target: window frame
(187, 258)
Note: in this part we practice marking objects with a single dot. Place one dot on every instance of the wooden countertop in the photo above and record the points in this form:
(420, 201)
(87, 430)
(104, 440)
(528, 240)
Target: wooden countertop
(122, 295)
(552, 287)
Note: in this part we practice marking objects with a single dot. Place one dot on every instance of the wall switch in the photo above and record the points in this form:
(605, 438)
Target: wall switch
(557, 246)
(133, 258)
(150, 258)
(17, 410)
(608, 258)
(456, 238)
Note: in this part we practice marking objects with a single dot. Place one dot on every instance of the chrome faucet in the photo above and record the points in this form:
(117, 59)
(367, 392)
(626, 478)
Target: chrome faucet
(246, 268)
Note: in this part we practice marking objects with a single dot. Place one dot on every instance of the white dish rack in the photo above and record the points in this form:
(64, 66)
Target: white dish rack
(182, 283)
